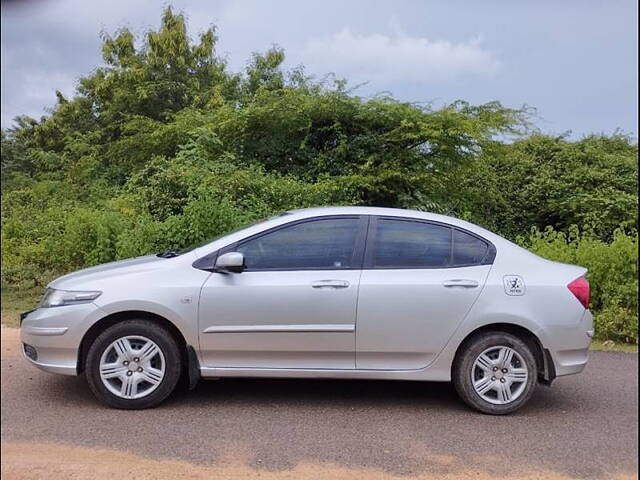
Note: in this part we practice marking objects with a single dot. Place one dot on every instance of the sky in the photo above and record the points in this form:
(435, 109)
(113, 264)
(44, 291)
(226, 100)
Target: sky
(575, 62)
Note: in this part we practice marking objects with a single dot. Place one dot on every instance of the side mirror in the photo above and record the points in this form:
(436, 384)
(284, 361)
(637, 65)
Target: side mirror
(230, 262)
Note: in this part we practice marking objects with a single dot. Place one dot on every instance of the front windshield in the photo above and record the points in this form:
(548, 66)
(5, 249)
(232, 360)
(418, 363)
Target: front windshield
(246, 225)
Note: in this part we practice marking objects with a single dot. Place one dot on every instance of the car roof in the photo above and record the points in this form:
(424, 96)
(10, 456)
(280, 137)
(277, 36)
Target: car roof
(337, 210)
(391, 212)
(300, 214)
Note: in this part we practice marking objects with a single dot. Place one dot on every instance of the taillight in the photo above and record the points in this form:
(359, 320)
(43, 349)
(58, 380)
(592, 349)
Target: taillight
(581, 289)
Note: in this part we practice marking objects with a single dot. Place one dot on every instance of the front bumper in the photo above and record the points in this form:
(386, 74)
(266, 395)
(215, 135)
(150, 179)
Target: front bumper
(55, 335)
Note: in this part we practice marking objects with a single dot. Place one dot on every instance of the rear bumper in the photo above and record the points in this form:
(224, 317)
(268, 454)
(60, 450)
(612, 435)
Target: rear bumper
(573, 353)
(570, 362)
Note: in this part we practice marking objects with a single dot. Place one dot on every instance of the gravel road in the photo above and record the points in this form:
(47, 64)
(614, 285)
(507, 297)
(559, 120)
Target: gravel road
(585, 426)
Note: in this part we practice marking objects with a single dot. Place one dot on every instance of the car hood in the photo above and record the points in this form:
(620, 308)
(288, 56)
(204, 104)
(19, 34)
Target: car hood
(80, 279)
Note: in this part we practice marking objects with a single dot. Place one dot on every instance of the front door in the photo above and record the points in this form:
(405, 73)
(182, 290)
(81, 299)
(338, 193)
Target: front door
(419, 281)
(295, 304)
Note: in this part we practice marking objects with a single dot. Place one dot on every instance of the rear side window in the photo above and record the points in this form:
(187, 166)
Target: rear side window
(407, 244)
(467, 249)
(325, 244)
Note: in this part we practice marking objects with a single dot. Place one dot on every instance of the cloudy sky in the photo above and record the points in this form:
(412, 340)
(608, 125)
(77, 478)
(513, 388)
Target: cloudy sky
(575, 61)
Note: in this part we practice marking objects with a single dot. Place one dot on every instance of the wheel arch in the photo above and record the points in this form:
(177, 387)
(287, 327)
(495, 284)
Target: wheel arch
(105, 322)
(546, 370)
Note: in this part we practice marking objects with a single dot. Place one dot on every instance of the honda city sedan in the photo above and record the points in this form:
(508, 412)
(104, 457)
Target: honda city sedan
(336, 292)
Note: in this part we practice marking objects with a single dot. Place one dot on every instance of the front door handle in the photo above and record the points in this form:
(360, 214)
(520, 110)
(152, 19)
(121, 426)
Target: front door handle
(460, 282)
(330, 284)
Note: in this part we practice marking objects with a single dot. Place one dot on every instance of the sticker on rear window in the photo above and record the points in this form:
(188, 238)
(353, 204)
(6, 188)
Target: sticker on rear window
(513, 285)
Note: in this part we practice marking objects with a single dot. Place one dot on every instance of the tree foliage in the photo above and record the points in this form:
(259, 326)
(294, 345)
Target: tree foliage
(541, 180)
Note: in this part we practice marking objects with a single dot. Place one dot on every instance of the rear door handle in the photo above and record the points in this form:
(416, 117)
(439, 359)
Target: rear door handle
(460, 282)
(330, 284)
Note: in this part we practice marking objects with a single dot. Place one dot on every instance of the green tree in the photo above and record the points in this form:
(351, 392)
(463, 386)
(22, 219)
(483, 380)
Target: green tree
(550, 181)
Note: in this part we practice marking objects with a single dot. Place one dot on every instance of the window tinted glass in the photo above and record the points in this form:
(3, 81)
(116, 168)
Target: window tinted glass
(316, 244)
(467, 249)
(411, 244)
(243, 227)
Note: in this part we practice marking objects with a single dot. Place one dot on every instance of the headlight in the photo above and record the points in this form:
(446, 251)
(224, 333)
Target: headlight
(58, 298)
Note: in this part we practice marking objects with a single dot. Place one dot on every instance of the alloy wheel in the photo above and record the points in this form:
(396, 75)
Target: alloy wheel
(132, 367)
(499, 375)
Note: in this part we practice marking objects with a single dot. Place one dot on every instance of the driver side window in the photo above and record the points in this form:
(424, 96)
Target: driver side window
(316, 244)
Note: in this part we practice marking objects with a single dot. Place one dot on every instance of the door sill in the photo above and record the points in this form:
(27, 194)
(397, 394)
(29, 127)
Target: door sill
(419, 374)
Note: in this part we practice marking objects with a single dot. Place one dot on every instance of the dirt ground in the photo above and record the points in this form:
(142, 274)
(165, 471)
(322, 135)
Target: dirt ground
(32, 461)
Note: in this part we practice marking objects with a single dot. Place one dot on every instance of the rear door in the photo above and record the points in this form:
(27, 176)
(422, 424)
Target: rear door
(419, 281)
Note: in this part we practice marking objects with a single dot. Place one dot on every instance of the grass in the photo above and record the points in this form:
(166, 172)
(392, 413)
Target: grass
(15, 302)
(611, 346)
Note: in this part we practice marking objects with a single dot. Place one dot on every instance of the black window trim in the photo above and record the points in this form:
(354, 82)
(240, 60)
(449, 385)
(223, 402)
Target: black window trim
(368, 264)
(208, 261)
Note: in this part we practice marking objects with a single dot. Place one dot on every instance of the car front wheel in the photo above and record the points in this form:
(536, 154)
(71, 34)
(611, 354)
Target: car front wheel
(495, 373)
(133, 364)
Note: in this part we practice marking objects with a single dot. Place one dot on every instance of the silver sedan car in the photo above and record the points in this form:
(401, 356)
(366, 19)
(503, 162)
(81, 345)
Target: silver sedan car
(338, 292)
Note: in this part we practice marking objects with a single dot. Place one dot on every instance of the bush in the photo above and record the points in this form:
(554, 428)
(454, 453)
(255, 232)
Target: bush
(45, 235)
(618, 324)
(613, 274)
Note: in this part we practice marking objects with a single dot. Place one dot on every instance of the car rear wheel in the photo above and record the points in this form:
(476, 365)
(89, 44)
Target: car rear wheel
(495, 373)
(133, 364)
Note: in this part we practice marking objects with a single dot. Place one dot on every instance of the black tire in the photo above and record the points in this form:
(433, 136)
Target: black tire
(144, 328)
(463, 370)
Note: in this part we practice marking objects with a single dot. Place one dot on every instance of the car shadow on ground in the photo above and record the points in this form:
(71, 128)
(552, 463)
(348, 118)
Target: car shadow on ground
(357, 394)
(353, 393)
